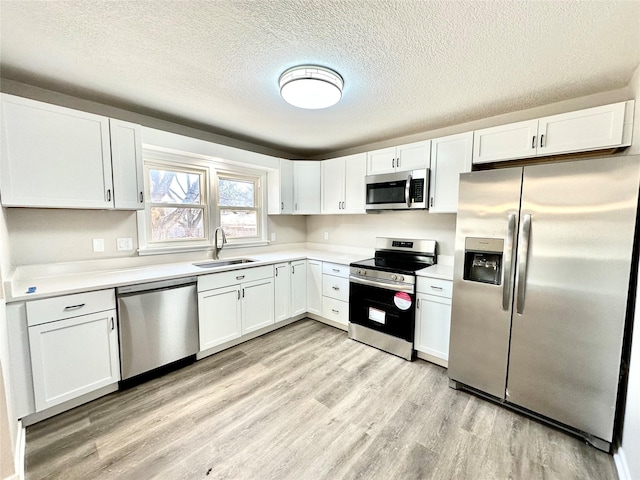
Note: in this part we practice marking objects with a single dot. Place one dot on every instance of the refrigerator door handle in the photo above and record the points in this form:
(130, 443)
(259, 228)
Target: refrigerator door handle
(508, 261)
(523, 261)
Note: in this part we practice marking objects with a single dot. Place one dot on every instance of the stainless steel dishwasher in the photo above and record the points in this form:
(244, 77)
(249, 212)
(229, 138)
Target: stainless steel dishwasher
(158, 324)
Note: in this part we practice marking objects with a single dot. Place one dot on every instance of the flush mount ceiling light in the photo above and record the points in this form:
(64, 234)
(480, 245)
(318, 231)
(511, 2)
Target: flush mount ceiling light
(310, 86)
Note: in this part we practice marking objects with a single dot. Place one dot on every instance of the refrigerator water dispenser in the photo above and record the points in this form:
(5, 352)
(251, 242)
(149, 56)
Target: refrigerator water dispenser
(483, 260)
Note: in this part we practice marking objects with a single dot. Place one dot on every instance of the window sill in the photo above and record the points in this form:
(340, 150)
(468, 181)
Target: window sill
(167, 250)
(257, 243)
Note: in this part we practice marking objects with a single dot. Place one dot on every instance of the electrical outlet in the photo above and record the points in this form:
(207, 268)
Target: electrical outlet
(124, 243)
(98, 245)
(326, 235)
(273, 236)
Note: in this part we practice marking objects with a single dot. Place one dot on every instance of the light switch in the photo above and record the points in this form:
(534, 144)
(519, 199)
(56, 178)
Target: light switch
(273, 236)
(98, 245)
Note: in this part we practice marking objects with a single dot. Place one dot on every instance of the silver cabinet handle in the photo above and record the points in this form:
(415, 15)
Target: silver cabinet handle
(238, 294)
(293, 269)
(509, 258)
(239, 277)
(418, 303)
(431, 202)
(436, 288)
(523, 262)
(141, 197)
(542, 140)
(533, 142)
(335, 311)
(282, 206)
(336, 288)
(243, 293)
(393, 163)
(337, 270)
(112, 324)
(74, 307)
(397, 162)
(407, 190)
(109, 195)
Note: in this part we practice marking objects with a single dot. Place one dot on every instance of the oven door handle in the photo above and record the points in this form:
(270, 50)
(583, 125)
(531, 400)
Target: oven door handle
(396, 287)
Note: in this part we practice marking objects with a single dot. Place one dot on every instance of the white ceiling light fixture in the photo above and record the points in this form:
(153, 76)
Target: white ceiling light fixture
(311, 86)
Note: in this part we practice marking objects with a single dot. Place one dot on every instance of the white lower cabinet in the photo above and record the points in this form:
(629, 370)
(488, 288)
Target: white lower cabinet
(72, 355)
(219, 316)
(298, 287)
(314, 287)
(433, 319)
(282, 291)
(335, 293)
(232, 304)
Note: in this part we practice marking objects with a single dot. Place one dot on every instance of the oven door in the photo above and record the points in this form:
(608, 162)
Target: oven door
(386, 307)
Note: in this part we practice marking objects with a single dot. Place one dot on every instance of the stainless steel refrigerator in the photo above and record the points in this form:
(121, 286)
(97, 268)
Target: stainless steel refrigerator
(542, 274)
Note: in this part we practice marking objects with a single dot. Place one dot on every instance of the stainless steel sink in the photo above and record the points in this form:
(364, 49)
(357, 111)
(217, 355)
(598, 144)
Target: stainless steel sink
(223, 263)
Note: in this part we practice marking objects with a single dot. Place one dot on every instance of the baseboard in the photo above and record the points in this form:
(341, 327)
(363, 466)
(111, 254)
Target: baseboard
(327, 321)
(620, 459)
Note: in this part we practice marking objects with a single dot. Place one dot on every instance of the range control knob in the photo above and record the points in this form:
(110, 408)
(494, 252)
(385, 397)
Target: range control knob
(400, 278)
(394, 277)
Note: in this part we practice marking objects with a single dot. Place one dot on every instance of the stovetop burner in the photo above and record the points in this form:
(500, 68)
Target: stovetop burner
(399, 255)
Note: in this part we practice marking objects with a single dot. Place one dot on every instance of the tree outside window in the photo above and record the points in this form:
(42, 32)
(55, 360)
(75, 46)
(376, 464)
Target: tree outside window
(238, 206)
(177, 207)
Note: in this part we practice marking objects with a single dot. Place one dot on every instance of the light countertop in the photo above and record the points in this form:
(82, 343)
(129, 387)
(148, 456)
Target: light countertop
(60, 283)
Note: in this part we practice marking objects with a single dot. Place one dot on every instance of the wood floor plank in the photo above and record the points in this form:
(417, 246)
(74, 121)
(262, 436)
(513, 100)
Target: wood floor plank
(303, 402)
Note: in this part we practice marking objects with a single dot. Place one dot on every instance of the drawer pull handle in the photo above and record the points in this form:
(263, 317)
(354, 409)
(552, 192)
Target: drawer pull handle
(436, 288)
(112, 324)
(336, 270)
(239, 277)
(335, 311)
(74, 307)
(335, 288)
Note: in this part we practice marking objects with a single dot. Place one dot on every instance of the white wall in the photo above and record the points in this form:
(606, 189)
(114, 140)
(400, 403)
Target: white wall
(630, 446)
(362, 230)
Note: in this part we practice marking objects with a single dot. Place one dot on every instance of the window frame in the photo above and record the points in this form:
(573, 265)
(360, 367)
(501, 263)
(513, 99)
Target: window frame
(211, 168)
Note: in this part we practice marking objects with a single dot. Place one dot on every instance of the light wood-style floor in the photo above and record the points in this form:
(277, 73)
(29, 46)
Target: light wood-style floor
(304, 402)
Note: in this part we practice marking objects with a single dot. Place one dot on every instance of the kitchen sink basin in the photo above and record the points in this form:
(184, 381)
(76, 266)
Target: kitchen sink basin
(223, 263)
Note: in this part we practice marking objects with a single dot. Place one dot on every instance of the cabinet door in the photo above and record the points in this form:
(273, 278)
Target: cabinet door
(355, 169)
(588, 129)
(450, 156)
(126, 161)
(432, 326)
(219, 318)
(314, 287)
(336, 310)
(53, 156)
(298, 287)
(306, 187)
(333, 180)
(381, 161)
(257, 305)
(505, 142)
(74, 356)
(413, 156)
(282, 292)
(280, 189)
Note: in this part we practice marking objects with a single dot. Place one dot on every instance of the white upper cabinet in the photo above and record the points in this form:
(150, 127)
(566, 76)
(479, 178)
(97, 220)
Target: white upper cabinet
(54, 156)
(57, 157)
(343, 186)
(607, 126)
(280, 189)
(450, 156)
(306, 187)
(411, 156)
(126, 160)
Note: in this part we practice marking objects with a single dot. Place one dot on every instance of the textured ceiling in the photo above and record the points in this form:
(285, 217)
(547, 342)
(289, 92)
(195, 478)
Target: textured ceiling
(408, 66)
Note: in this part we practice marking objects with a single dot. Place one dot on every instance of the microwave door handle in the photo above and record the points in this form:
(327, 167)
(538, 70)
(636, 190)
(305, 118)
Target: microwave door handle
(407, 191)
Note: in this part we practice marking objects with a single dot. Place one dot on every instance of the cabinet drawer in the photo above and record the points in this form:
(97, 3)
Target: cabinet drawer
(335, 310)
(435, 286)
(233, 277)
(335, 287)
(335, 269)
(68, 306)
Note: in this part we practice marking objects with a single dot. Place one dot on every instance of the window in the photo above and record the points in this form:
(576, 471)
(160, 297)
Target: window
(177, 210)
(239, 206)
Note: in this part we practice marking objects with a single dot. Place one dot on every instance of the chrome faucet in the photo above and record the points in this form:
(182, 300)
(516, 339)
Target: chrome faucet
(216, 249)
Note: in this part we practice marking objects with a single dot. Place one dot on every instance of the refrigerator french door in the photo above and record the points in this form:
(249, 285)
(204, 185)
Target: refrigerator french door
(542, 272)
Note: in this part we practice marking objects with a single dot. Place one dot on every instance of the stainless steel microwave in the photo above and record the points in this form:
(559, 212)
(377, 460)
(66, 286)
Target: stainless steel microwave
(398, 191)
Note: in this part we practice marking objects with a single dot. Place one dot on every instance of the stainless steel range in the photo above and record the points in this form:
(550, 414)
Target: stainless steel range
(382, 294)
